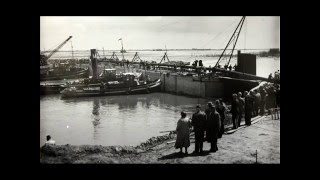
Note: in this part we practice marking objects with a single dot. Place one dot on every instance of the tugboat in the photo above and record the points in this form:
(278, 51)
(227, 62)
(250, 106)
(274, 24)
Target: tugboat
(110, 83)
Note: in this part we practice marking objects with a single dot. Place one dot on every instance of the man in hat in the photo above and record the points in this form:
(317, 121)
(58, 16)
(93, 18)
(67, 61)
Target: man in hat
(221, 109)
(198, 122)
(263, 94)
(249, 99)
(213, 126)
(234, 110)
(241, 108)
(256, 102)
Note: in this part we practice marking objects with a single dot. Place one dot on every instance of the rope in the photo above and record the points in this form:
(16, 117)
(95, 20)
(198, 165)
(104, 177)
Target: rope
(224, 30)
(245, 35)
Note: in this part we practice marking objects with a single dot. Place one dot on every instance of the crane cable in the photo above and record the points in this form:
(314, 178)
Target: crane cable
(221, 32)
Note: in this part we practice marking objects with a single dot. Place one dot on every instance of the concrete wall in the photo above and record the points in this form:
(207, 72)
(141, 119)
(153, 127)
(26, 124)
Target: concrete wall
(214, 89)
(185, 85)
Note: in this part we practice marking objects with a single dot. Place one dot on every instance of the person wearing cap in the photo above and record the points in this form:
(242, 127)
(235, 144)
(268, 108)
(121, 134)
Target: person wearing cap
(257, 102)
(50, 141)
(221, 109)
(241, 107)
(213, 126)
(234, 110)
(263, 95)
(198, 122)
(249, 99)
(183, 133)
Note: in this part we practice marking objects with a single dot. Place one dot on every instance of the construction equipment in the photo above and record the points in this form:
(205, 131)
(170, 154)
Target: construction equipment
(44, 58)
(233, 38)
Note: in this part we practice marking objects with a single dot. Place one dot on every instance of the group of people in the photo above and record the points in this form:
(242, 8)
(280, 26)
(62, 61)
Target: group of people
(195, 63)
(207, 125)
(226, 67)
(275, 78)
(254, 102)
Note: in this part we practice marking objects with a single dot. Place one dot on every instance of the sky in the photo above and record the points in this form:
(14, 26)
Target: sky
(157, 32)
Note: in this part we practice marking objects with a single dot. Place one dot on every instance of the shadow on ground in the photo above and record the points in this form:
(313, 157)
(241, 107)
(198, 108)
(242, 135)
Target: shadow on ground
(176, 155)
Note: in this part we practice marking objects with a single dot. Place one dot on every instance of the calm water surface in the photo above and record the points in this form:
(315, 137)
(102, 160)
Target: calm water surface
(111, 120)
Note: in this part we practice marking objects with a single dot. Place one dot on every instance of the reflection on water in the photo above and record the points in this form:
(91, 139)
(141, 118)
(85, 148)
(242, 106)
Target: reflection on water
(96, 118)
(111, 120)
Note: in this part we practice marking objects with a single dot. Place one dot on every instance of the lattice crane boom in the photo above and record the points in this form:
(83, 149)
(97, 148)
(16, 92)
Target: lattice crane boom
(58, 47)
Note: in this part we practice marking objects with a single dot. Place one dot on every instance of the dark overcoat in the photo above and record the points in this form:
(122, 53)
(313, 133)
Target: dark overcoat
(213, 126)
(198, 121)
(235, 106)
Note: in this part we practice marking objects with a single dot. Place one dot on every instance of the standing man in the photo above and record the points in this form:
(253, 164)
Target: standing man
(278, 96)
(234, 110)
(257, 102)
(200, 63)
(221, 109)
(213, 126)
(248, 107)
(198, 122)
(196, 63)
(263, 94)
(241, 107)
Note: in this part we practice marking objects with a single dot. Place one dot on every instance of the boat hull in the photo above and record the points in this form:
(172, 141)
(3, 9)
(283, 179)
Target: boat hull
(74, 75)
(51, 89)
(140, 89)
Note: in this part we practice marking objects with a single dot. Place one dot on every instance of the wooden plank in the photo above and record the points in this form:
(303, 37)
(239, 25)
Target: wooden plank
(252, 122)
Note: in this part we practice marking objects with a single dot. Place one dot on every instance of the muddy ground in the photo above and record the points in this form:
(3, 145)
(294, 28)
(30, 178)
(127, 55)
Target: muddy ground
(239, 147)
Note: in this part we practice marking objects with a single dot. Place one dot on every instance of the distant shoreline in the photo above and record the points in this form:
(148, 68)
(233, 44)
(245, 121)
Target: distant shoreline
(194, 49)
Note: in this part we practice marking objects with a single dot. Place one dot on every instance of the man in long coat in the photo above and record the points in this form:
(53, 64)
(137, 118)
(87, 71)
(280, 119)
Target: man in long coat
(198, 122)
(221, 109)
(257, 102)
(263, 94)
(241, 108)
(249, 99)
(234, 110)
(213, 126)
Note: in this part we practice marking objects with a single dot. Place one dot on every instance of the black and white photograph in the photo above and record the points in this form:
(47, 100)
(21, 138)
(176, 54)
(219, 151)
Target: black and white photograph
(160, 89)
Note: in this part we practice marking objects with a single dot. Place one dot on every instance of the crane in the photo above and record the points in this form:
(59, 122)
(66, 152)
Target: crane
(234, 38)
(45, 58)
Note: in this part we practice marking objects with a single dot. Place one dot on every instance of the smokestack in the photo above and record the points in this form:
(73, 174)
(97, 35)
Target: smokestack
(94, 64)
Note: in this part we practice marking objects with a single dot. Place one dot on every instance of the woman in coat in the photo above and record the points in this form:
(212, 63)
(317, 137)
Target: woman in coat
(183, 133)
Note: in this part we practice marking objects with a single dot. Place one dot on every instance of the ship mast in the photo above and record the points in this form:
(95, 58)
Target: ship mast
(72, 49)
(122, 50)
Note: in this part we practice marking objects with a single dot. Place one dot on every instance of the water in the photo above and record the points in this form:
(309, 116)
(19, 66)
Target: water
(111, 120)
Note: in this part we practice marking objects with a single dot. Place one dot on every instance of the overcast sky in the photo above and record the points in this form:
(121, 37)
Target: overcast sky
(151, 32)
